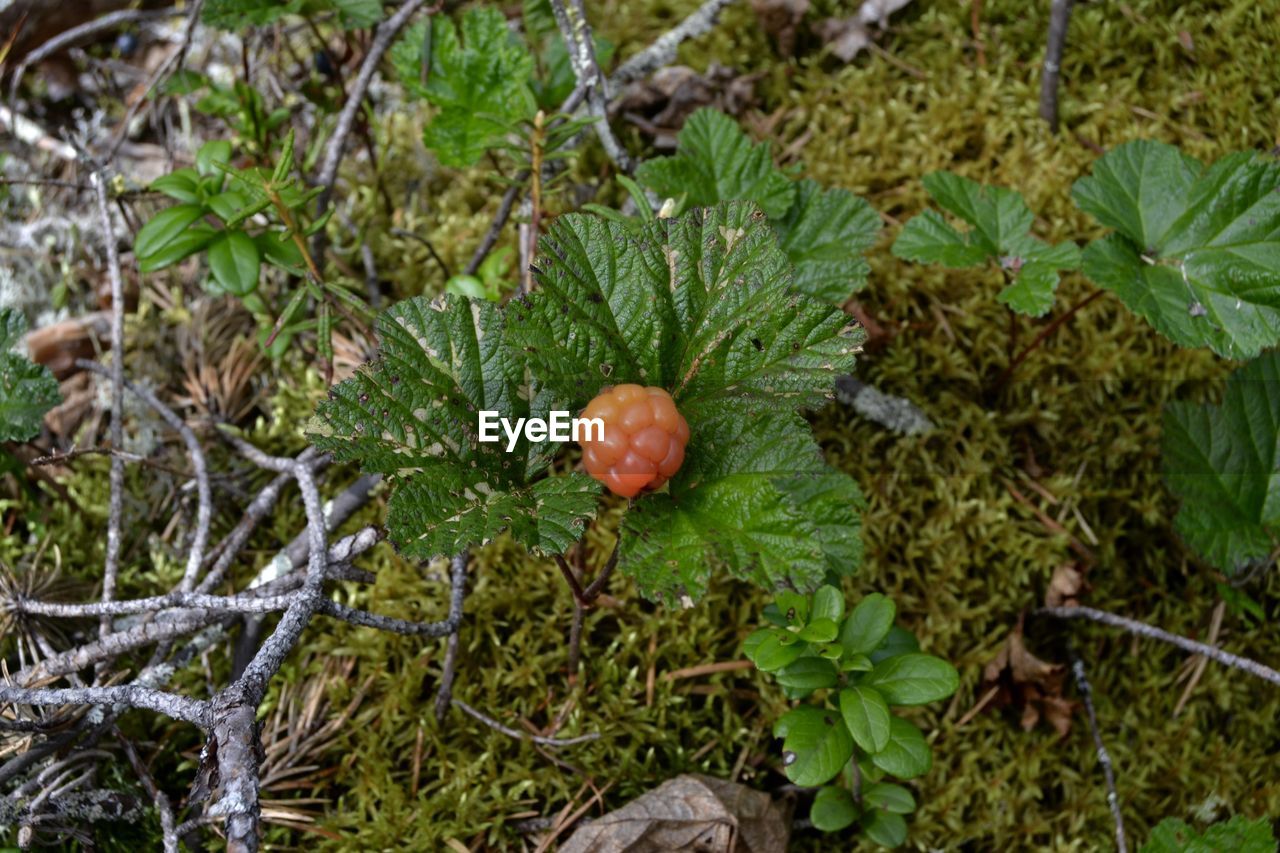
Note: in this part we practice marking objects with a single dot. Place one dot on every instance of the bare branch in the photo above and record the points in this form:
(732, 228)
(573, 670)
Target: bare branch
(1104, 757)
(1142, 629)
(172, 705)
(163, 806)
(571, 17)
(1059, 21)
(663, 50)
(519, 735)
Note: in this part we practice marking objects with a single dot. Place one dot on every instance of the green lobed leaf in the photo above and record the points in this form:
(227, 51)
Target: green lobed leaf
(1196, 250)
(866, 713)
(906, 755)
(1221, 461)
(816, 744)
(1236, 835)
(824, 234)
(833, 809)
(716, 162)
(413, 415)
(1000, 224)
(914, 679)
(27, 390)
(478, 78)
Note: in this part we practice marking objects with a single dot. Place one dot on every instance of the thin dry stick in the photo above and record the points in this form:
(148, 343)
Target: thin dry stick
(1142, 629)
(115, 504)
(663, 50)
(1104, 757)
(1059, 20)
(168, 827)
(571, 17)
(519, 735)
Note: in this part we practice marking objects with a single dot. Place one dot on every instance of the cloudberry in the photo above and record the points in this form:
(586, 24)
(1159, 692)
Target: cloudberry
(643, 443)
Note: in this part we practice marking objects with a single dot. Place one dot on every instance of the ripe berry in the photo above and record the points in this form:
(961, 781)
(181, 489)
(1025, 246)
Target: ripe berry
(643, 443)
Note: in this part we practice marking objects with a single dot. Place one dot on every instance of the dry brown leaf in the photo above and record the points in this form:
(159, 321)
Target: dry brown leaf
(847, 37)
(1067, 583)
(781, 20)
(660, 104)
(1028, 684)
(690, 812)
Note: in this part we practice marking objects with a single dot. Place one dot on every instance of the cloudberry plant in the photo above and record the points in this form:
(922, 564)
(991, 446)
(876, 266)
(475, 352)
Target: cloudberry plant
(643, 441)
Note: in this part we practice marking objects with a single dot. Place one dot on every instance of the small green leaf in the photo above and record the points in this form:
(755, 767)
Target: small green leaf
(240, 14)
(807, 674)
(833, 809)
(868, 624)
(466, 285)
(906, 755)
(772, 649)
(165, 227)
(828, 603)
(899, 641)
(226, 205)
(816, 745)
(818, 631)
(793, 606)
(213, 156)
(867, 715)
(891, 798)
(856, 663)
(186, 244)
(884, 828)
(1237, 835)
(914, 679)
(182, 184)
(234, 262)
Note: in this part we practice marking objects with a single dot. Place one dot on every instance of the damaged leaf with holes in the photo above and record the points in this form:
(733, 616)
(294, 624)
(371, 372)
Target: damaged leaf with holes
(411, 415)
(704, 305)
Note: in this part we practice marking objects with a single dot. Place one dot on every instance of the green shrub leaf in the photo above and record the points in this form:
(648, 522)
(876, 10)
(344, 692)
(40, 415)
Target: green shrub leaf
(771, 649)
(714, 162)
(165, 227)
(891, 798)
(412, 414)
(1237, 835)
(868, 624)
(1000, 224)
(866, 713)
(906, 755)
(807, 674)
(234, 262)
(816, 744)
(914, 679)
(833, 809)
(478, 79)
(1196, 250)
(885, 828)
(27, 390)
(1221, 461)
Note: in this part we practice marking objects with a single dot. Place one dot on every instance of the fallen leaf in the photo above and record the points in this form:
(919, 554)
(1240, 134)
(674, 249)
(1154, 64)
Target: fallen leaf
(847, 37)
(1028, 684)
(1067, 583)
(690, 812)
(660, 104)
(781, 19)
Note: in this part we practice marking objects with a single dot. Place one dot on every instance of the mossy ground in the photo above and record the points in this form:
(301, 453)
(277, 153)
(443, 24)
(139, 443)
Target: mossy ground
(945, 534)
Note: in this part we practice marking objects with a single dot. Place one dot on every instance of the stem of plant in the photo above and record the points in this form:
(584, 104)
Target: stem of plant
(1044, 336)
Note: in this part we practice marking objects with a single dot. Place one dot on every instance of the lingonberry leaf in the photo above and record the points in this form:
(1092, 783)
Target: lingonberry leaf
(412, 414)
(816, 744)
(866, 713)
(27, 390)
(807, 674)
(714, 162)
(1221, 461)
(1196, 249)
(884, 828)
(833, 809)
(1000, 224)
(914, 679)
(906, 755)
(890, 797)
(478, 79)
(868, 625)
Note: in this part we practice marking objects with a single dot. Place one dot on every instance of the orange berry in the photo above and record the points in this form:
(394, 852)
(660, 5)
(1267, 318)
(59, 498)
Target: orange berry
(644, 439)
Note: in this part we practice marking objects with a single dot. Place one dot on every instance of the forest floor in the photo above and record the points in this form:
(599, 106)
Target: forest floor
(964, 527)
